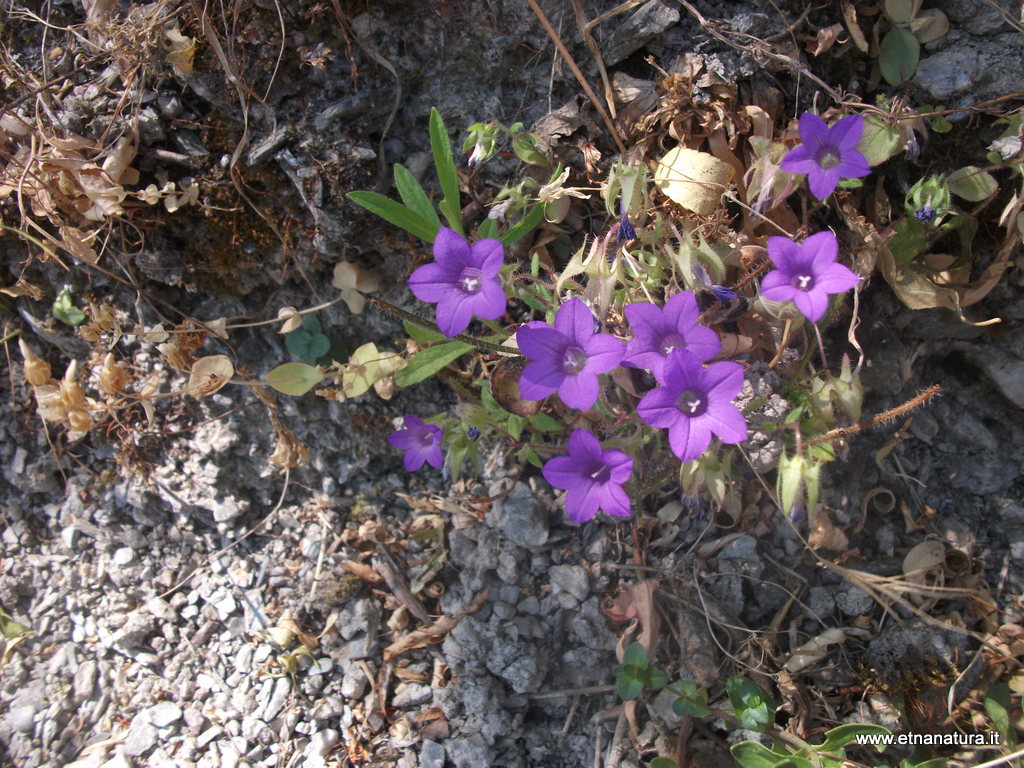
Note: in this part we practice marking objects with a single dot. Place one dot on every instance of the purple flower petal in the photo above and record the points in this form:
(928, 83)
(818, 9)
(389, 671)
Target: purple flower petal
(420, 441)
(491, 302)
(575, 321)
(579, 391)
(561, 471)
(812, 304)
(836, 278)
(538, 340)
(776, 280)
(616, 501)
(846, 131)
(724, 379)
(583, 446)
(431, 283)
(451, 249)
(689, 438)
(728, 424)
(604, 353)
(823, 181)
(538, 381)
(488, 254)
(658, 407)
(814, 131)
(799, 160)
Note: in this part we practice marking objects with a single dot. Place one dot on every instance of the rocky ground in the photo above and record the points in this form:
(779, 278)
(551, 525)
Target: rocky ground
(190, 604)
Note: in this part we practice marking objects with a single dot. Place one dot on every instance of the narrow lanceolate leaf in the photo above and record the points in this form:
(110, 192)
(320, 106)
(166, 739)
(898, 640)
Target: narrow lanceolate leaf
(525, 226)
(430, 361)
(444, 161)
(294, 378)
(395, 213)
(413, 196)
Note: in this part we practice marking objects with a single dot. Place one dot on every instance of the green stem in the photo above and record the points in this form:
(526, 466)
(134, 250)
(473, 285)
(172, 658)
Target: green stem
(486, 346)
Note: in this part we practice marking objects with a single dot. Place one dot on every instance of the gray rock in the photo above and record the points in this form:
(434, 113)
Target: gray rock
(141, 737)
(640, 27)
(853, 601)
(353, 682)
(412, 695)
(275, 703)
(571, 579)
(328, 708)
(469, 752)
(123, 556)
(521, 518)
(431, 754)
(117, 761)
(163, 714)
(20, 719)
(322, 742)
(85, 680)
(950, 72)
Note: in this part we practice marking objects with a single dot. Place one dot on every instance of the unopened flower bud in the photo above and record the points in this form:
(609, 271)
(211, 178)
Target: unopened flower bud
(37, 370)
(71, 392)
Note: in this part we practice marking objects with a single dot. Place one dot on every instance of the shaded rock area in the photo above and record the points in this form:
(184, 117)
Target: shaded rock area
(190, 605)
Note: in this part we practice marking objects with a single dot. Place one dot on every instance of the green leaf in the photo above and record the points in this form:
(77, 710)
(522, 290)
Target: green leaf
(879, 141)
(65, 310)
(628, 687)
(544, 423)
(294, 378)
(423, 335)
(793, 761)
(664, 762)
(524, 227)
(635, 656)
(837, 738)
(525, 147)
(753, 706)
(430, 361)
(898, 56)
(693, 706)
(531, 456)
(515, 426)
(395, 213)
(413, 196)
(487, 229)
(751, 754)
(997, 705)
(318, 346)
(972, 183)
(298, 343)
(656, 678)
(909, 239)
(900, 11)
(441, 147)
(10, 628)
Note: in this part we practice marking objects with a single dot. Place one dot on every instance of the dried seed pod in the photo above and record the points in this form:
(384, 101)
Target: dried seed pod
(505, 388)
(113, 376)
(71, 393)
(80, 420)
(51, 405)
(37, 370)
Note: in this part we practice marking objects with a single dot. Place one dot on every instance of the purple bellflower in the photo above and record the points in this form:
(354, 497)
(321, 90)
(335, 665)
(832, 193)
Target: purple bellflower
(421, 443)
(659, 330)
(827, 154)
(568, 357)
(694, 403)
(462, 280)
(806, 273)
(592, 477)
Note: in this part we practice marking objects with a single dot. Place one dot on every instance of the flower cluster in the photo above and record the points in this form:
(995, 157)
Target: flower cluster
(693, 398)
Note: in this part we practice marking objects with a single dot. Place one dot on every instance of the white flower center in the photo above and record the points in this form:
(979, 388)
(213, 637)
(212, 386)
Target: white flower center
(669, 342)
(828, 157)
(802, 282)
(573, 361)
(691, 403)
(471, 281)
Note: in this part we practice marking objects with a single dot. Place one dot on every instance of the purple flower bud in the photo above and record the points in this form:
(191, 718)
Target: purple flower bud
(925, 214)
(626, 231)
